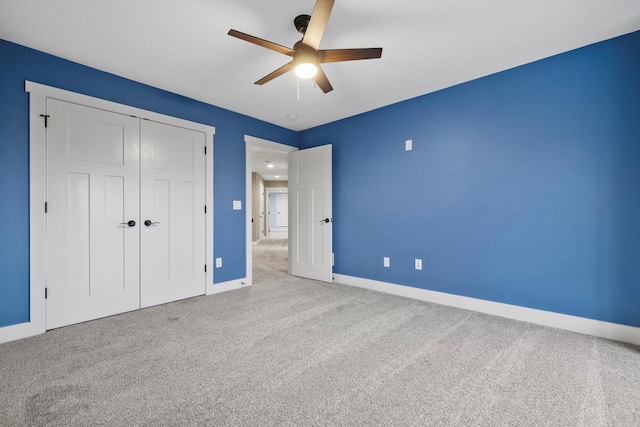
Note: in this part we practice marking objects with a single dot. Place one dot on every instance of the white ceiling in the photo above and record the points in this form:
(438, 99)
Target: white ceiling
(182, 45)
(262, 157)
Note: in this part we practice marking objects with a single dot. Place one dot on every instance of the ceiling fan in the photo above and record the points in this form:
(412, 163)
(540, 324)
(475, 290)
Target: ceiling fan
(306, 56)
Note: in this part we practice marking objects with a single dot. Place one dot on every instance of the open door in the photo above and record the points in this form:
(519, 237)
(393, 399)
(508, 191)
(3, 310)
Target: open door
(311, 228)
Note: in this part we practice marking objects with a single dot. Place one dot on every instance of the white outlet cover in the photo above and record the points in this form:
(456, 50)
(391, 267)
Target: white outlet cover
(418, 264)
(408, 145)
(237, 205)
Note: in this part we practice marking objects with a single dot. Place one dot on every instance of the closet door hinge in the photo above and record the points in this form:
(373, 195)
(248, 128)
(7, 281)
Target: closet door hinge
(46, 293)
(205, 149)
(205, 268)
(205, 208)
(46, 207)
(46, 116)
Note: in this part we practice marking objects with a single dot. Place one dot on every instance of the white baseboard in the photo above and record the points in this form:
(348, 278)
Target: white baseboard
(231, 285)
(19, 331)
(598, 328)
(278, 234)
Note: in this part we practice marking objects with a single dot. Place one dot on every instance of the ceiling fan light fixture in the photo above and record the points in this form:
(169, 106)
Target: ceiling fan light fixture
(305, 60)
(306, 70)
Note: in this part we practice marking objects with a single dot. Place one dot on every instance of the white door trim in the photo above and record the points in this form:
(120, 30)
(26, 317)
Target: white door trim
(252, 141)
(38, 94)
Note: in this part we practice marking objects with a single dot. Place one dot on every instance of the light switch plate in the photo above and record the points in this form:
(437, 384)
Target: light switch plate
(386, 262)
(408, 145)
(237, 205)
(218, 262)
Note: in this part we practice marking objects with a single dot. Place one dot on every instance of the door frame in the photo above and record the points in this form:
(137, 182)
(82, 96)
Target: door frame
(38, 93)
(250, 142)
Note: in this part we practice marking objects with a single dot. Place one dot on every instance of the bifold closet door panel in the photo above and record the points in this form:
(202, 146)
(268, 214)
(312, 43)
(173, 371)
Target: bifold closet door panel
(92, 213)
(172, 213)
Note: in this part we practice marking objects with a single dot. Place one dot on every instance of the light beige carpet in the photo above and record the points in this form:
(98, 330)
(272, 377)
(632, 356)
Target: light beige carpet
(294, 352)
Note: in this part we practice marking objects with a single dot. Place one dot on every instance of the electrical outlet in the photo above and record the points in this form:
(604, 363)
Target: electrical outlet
(218, 262)
(418, 264)
(408, 145)
(386, 262)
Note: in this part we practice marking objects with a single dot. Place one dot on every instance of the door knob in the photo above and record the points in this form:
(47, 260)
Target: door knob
(148, 222)
(326, 220)
(131, 223)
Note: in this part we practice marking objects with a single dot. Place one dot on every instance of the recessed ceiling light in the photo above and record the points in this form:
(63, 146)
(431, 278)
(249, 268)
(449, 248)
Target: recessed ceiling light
(277, 176)
(291, 116)
(270, 165)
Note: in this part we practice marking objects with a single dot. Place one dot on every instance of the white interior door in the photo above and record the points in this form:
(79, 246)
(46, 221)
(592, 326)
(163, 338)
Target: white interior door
(282, 210)
(310, 204)
(172, 204)
(92, 193)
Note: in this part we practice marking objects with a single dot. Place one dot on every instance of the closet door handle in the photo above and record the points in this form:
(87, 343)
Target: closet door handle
(131, 223)
(148, 222)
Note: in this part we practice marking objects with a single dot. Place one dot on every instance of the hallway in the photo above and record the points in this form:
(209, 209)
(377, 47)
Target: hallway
(270, 257)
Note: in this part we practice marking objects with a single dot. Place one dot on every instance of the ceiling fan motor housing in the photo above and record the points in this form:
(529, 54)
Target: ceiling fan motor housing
(304, 54)
(301, 22)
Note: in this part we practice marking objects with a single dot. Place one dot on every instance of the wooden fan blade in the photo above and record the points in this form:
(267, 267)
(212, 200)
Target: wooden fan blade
(277, 73)
(261, 42)
(318, 23)
(339, 55)
(322, 81)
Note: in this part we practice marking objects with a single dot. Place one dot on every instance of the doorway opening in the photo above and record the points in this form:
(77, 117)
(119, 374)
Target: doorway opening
(266, 194)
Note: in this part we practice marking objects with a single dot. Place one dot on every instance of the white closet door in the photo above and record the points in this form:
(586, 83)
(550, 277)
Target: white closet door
(92, 193)
(172, 205)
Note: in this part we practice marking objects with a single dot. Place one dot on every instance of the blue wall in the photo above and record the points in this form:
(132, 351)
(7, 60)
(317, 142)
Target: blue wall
(18, 64)
(523, 187)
